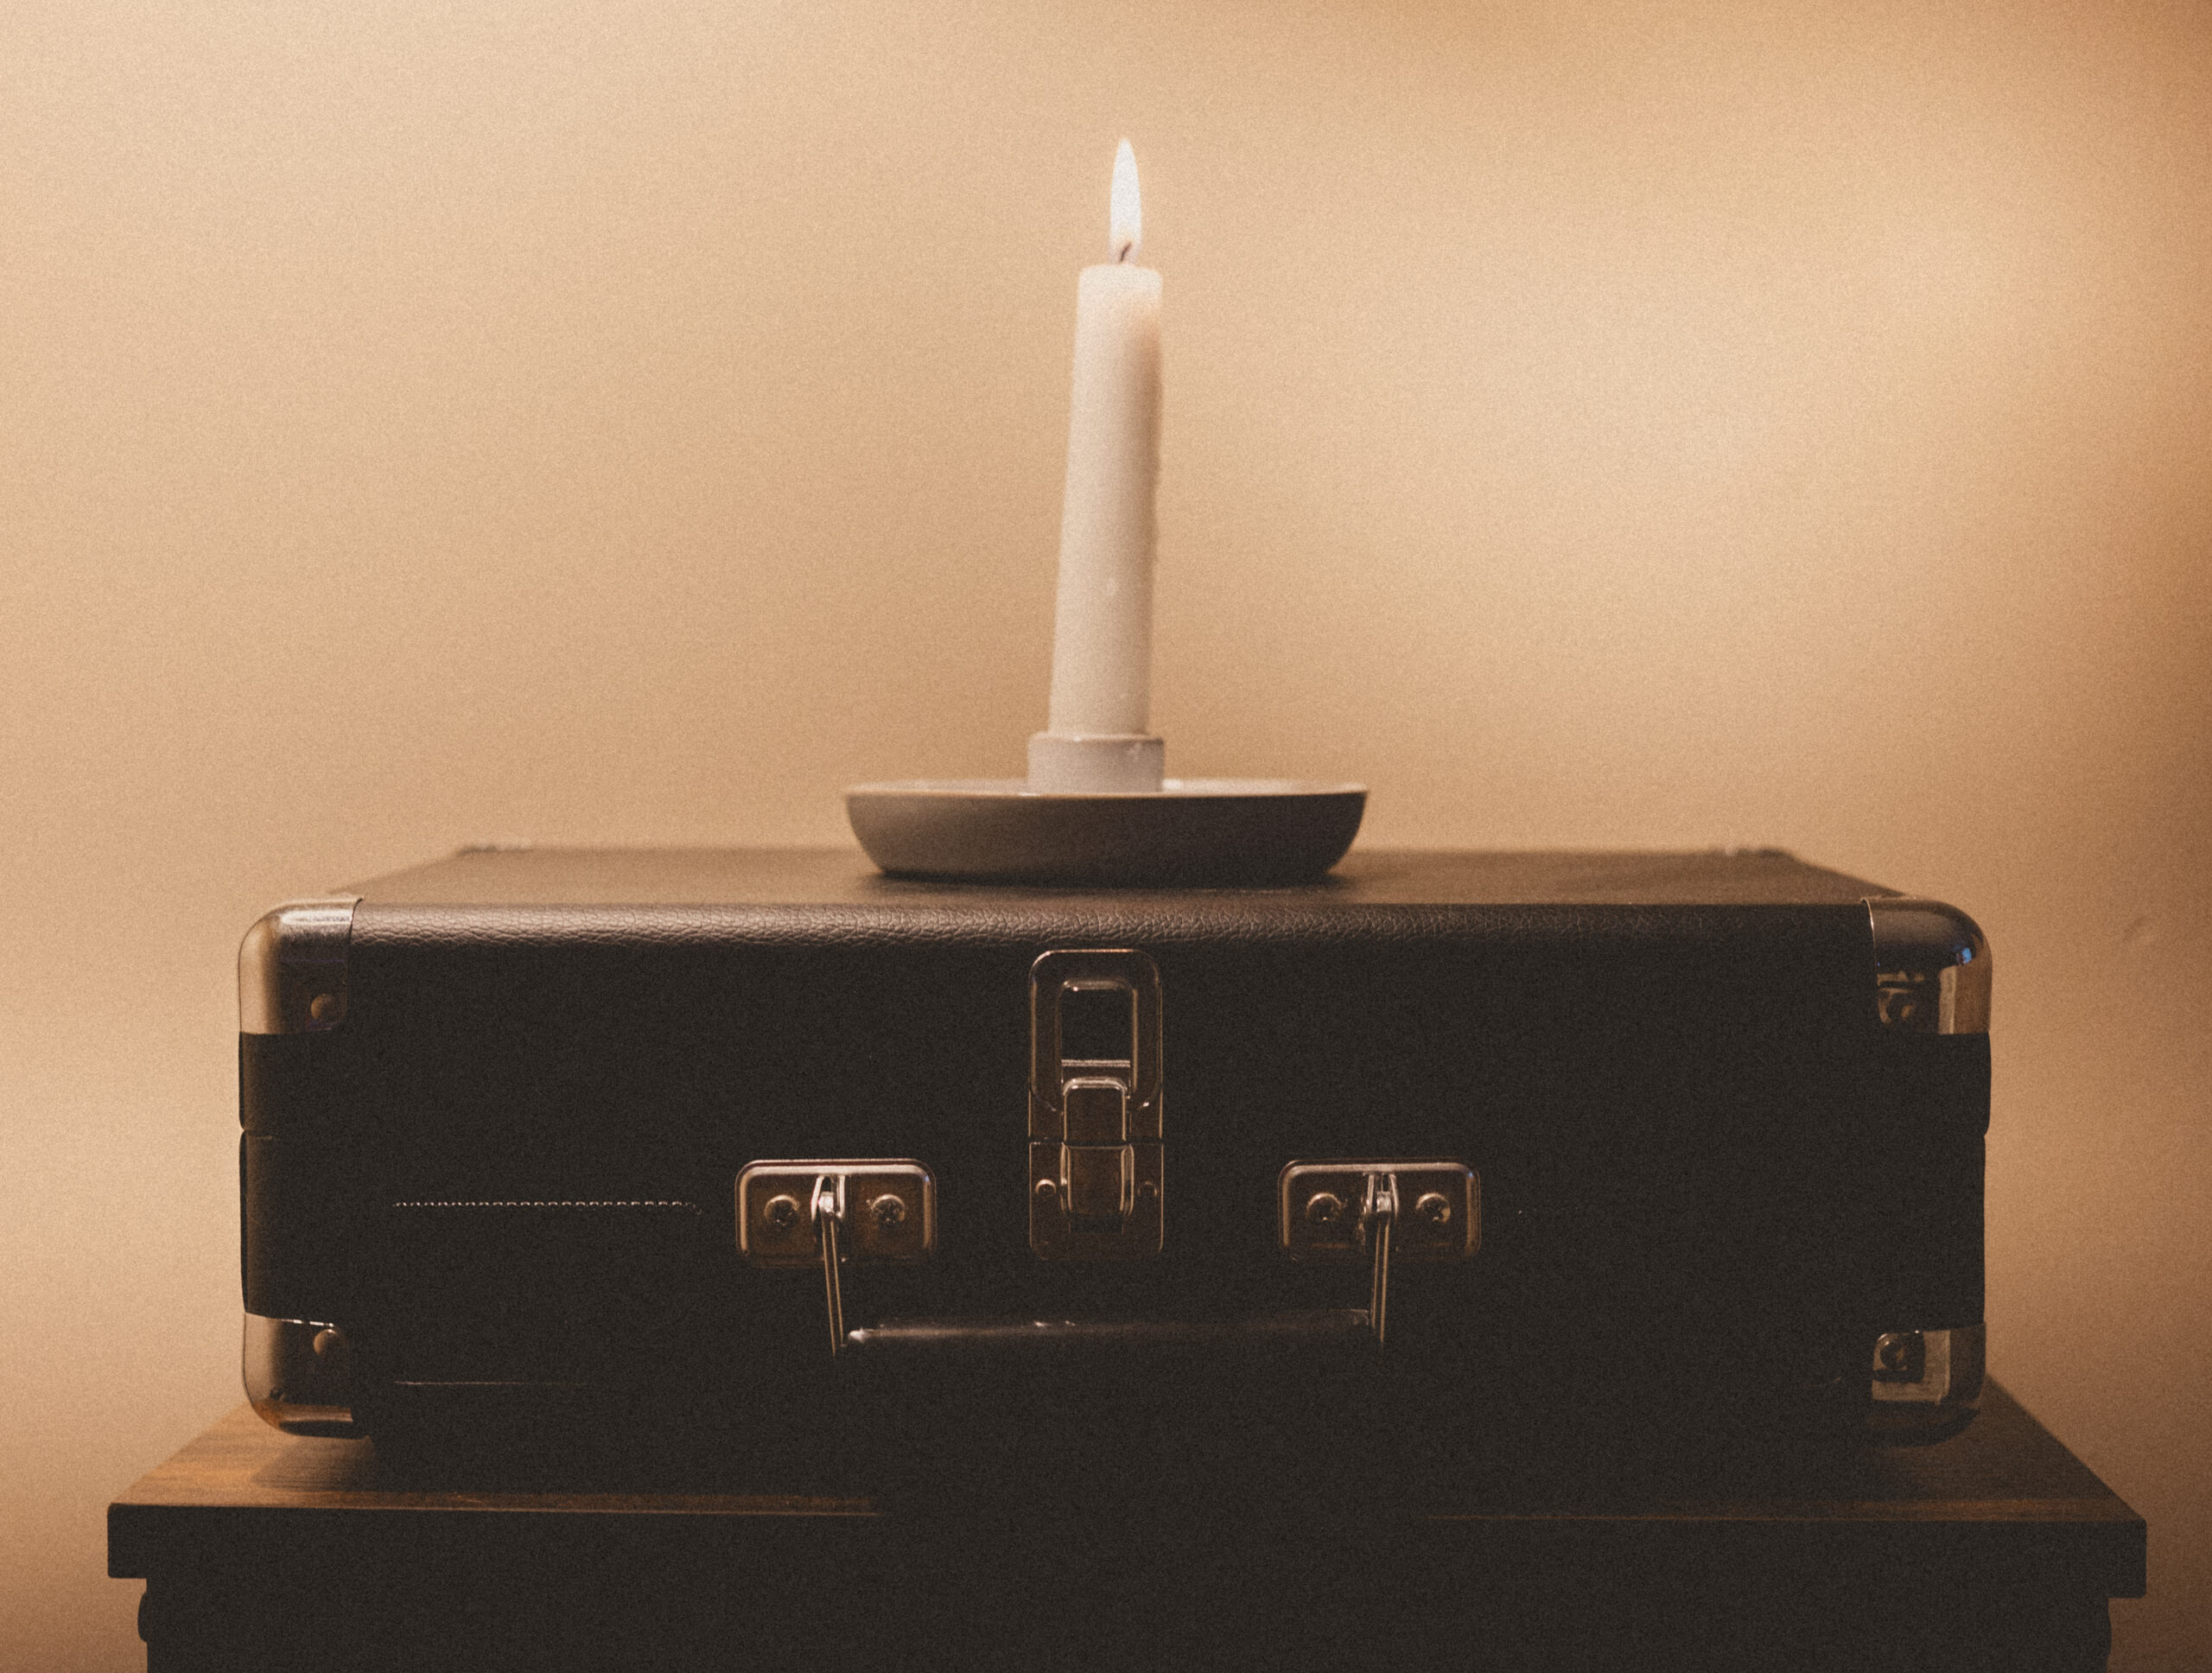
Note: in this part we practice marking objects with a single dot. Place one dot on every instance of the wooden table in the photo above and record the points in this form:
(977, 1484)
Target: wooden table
(1994, 1549)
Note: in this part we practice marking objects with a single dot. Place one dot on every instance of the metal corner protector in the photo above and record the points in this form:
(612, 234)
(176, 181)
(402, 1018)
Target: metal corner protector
(292, 967)
(299, 1376)
(1930, 1371)
(1931, 967)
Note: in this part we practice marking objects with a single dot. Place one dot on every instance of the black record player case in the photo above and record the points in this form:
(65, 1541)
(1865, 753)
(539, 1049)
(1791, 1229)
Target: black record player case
(1664, 1148)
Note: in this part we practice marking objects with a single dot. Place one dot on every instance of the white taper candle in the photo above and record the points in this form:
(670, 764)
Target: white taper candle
(1097, 734)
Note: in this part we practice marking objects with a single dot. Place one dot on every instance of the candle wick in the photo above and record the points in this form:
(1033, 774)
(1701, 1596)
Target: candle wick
(1123, 255)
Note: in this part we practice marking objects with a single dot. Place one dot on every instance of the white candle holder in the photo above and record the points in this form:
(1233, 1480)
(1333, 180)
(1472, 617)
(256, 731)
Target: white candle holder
(1190, 832)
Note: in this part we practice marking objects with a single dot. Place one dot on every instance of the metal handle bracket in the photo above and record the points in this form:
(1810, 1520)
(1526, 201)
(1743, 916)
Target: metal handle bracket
(1379, 1212)
(798, 1214)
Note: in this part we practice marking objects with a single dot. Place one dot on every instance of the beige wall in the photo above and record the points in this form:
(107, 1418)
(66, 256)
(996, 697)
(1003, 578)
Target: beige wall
(1590, 425)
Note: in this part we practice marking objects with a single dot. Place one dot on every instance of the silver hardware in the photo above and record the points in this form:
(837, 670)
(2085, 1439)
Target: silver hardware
(1378, 1216)
(1323, 1207)
(1899, 1356)
(1095, 1153)
(299, 1376)
(774, 1230)
(829, 1215)
(1931, 967)
(1313, 1225)
(1939, 1369)
(292, 967)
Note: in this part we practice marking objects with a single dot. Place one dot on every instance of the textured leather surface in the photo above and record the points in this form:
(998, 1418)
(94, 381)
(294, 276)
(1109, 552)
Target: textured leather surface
(840, 877)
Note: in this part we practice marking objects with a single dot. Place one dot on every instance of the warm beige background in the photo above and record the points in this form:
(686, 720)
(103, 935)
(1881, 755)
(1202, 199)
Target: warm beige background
(1598, 423)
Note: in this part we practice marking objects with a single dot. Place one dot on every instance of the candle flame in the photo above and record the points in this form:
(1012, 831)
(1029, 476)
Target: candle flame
(1126, 230)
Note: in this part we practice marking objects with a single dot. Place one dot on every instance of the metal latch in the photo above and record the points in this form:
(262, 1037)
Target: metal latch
(798, 1213)
(1094, 1120)
(1378, 1211)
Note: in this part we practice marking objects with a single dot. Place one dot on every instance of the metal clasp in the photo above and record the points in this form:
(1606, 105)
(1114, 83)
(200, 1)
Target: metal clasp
(1094, 1154)
(1421, 1211)
(797, 1214)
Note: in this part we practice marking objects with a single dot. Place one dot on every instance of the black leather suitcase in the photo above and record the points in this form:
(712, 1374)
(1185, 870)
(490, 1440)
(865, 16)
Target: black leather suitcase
(1484, 1157)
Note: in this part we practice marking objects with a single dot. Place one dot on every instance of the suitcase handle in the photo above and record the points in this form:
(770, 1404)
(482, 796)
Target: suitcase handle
(1427, 1211)
(802, 1213)
(1036, 1342)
